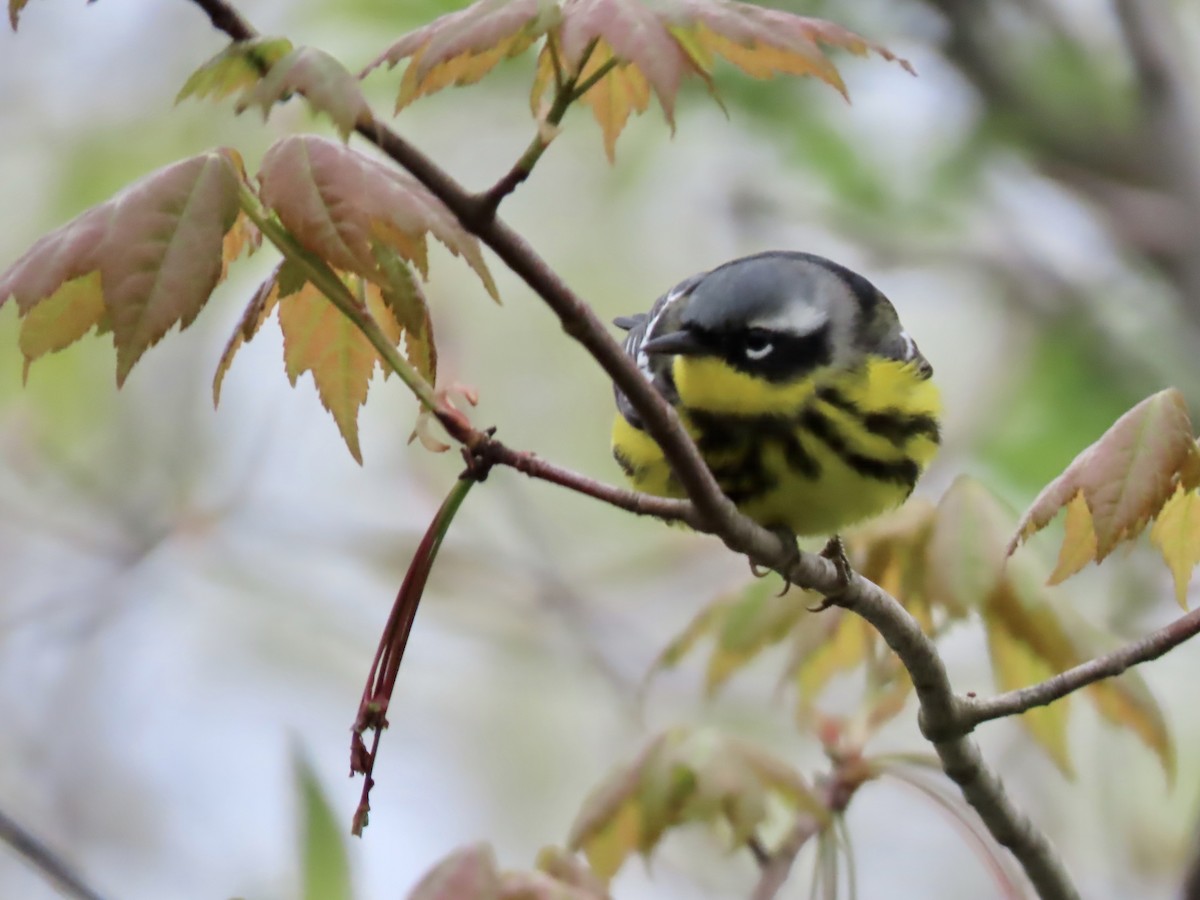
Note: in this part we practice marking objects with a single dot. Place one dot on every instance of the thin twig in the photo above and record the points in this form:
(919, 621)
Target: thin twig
(974, 711)
(45, 860)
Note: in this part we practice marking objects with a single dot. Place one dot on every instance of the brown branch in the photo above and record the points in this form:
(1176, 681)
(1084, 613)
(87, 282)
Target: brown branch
(716, 514)
(44, 860)
(227, 19)
(974, 711)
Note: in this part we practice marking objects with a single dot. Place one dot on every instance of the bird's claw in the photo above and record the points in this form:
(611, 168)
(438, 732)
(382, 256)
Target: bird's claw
(835, 551)
(788, 538)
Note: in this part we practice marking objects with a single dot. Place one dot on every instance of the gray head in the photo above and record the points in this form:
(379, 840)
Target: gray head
(779, 315)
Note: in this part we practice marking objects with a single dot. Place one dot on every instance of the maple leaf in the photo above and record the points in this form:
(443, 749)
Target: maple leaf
(655, 46)
(461, 47)
(1125, 477)
(257, 311)
(1176, 533)
(1028, 644)
(684, 776)
(319, 338)
(159, 250)
(320, 78)
(239, 67)
(342, 205)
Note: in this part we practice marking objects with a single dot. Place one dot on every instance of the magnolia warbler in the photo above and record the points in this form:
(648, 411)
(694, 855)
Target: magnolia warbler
(811, 404)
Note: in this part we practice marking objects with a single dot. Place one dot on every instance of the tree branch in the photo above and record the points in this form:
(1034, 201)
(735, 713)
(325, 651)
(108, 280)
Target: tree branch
(974, 711)
(44, 860)
(714, 513)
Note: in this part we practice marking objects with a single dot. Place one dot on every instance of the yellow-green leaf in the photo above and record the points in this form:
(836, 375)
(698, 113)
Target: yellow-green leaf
(62, 318)
(1027, 645)
(1079, 541)
(236, 68)
(1176, 534)
(257, 311)
(317, 338)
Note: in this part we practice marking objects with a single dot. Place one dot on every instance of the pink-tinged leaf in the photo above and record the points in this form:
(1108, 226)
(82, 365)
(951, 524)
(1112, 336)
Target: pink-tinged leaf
(236, 68)
(540, 886)
(461, 47)
(1125, 477)
(339, 204)
(634, 32)
(567, 868)
(469, 873)
(1176, 534)
(318, 338)
(402, 303)
(171, 229)
(320, 78)
(62, 319)
(159, 247)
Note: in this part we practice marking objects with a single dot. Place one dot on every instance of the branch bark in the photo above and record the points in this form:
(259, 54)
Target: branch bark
(45, 860)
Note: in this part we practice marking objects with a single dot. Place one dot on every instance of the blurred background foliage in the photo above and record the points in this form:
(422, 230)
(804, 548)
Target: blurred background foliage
(189, 595)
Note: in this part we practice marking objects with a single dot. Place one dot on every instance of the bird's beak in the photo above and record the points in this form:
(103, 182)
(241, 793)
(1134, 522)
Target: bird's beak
(682, 343)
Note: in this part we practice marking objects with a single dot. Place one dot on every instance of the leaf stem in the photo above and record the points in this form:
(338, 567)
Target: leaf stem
(335, 290)
(381, 681)
(566, 92)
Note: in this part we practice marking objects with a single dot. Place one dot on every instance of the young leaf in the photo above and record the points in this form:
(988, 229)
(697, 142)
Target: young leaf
(1176, 534)
(238, 67)
(683, 776)
(257, 311)
(1027, 644)
(614, 97)
(469, 873)
(341, 204)
(159, 249)
(320, 78)
(1125, 477)
(461, 47)
(326, 868)
(62, 319)
(318, 338)
(1079, 541)
(966, 546)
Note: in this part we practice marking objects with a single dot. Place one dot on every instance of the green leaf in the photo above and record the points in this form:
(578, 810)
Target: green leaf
(238, 67)
(326, 867)
(63, 318)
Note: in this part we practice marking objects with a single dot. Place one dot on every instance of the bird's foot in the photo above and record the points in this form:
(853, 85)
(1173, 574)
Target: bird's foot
(835, 552)
(788, 539)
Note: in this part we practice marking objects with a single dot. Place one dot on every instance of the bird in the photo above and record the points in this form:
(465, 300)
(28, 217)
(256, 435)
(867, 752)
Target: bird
(808, 400)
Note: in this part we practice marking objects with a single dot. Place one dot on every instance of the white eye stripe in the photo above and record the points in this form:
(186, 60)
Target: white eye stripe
(910, 346)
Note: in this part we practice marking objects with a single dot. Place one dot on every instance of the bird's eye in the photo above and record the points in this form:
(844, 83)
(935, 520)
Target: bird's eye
(757, 345)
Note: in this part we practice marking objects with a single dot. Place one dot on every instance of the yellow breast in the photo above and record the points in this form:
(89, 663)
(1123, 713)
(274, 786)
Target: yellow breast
(814, 455)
